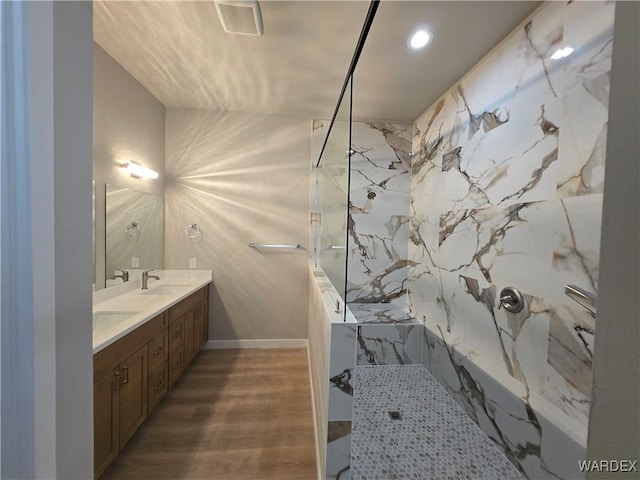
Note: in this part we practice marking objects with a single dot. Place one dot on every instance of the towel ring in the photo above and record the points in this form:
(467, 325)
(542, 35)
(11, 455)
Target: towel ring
(132, 230)
(192, 230)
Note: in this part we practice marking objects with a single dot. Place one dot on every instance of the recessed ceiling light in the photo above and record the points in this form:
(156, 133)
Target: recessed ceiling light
(420, 39)
(562, 53)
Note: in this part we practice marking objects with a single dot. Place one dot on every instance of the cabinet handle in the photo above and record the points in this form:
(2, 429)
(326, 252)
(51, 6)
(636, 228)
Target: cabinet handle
(125, 374)
(118, 384)
(159, 386)
(158, 351)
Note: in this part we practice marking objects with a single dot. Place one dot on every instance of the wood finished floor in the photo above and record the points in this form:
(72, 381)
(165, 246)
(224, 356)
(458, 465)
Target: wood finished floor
(233, 415)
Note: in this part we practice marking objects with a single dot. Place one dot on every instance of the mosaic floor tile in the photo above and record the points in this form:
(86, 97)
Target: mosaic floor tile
(434, 439)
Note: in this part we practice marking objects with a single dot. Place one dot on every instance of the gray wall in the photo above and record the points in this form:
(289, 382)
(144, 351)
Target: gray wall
(614, 429)
(128, 124)
(242, 178)
(72, 80)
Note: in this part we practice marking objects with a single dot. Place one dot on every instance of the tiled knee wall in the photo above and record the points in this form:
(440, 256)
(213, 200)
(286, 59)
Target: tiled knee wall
(533, 443)
(361, 344)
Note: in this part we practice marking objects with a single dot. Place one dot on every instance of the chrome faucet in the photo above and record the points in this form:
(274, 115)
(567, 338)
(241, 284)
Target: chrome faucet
(146, 277)
(124, 276)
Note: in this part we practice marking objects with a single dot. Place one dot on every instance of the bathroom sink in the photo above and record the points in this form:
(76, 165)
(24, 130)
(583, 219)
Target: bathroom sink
(107, 319)
(164, 290)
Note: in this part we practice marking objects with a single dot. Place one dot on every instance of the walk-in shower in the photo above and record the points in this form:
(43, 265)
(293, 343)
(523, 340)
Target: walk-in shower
(494, 186)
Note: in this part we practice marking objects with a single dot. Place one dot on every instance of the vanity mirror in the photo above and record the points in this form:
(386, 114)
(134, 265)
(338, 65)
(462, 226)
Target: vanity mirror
(134, 231)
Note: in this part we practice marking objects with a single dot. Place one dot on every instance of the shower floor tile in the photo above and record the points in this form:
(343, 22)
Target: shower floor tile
(433, 438)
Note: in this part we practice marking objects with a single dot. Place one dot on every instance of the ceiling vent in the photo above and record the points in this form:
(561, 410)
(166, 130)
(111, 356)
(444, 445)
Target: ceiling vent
(240, 16)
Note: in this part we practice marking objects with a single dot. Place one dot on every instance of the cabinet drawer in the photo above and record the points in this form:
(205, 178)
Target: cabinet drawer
(176, 334)
(107, 359)
(176, 365)
(188, 303)
(158, 384)
(158, 349)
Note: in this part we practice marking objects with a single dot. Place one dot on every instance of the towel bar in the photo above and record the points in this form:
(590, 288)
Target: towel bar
(585, 298)
(276, 245)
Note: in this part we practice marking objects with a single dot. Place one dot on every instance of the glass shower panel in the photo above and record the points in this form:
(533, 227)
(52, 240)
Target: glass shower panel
(334, 177)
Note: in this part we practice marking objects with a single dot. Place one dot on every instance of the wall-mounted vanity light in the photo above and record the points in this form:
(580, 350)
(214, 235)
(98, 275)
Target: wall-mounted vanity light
(139, 171)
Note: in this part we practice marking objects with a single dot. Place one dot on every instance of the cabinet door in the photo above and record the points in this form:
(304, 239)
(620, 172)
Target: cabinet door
(189, 337)
(106, 420)
(200, 325)
(176, 365)
(176, 334)
(133, 394)
(158, 384)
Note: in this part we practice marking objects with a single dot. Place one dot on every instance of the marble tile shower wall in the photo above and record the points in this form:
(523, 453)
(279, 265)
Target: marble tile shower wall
(378, 220)
(506, 189)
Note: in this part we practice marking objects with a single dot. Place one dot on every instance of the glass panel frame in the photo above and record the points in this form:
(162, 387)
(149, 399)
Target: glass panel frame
(334, 172)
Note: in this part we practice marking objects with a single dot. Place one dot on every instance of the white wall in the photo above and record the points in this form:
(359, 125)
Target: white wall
(242, 178)
(51, 371)
(128, 124)
(614, 428)
(319, 347)
(16, 281)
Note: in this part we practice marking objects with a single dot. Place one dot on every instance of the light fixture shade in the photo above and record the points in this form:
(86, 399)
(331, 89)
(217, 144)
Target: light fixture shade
(240, 16)
(139, 171)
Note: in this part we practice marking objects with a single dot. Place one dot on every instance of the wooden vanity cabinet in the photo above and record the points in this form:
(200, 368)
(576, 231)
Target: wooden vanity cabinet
(106, 420)
(133, 393)
(176, 349)
(201, 325)
(132, 375)
(190, 316)
(158, 368)
(120, 390)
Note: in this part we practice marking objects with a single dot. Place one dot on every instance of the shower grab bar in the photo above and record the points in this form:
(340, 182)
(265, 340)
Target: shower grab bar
(276, 245)
(585, 298)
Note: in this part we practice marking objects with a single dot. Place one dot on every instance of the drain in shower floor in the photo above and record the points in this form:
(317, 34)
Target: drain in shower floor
(395, 415)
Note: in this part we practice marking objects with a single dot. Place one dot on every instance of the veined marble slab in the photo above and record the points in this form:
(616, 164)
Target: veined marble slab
(380, 313)
(378, 223)
(531, 431)
(506, 190)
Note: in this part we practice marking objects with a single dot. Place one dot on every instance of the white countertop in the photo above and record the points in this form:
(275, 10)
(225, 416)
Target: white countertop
(121, 309)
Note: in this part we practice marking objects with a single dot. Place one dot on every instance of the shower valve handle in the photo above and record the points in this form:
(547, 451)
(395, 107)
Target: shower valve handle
(512, 300)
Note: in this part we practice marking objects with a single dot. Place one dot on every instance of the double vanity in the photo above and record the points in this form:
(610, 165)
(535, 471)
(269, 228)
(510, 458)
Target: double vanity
(143, 339)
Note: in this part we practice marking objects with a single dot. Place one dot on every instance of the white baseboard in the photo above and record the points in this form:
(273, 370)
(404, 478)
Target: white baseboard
(267, 343)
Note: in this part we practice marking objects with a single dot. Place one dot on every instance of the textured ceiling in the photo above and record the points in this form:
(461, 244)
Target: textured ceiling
(180, 53)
